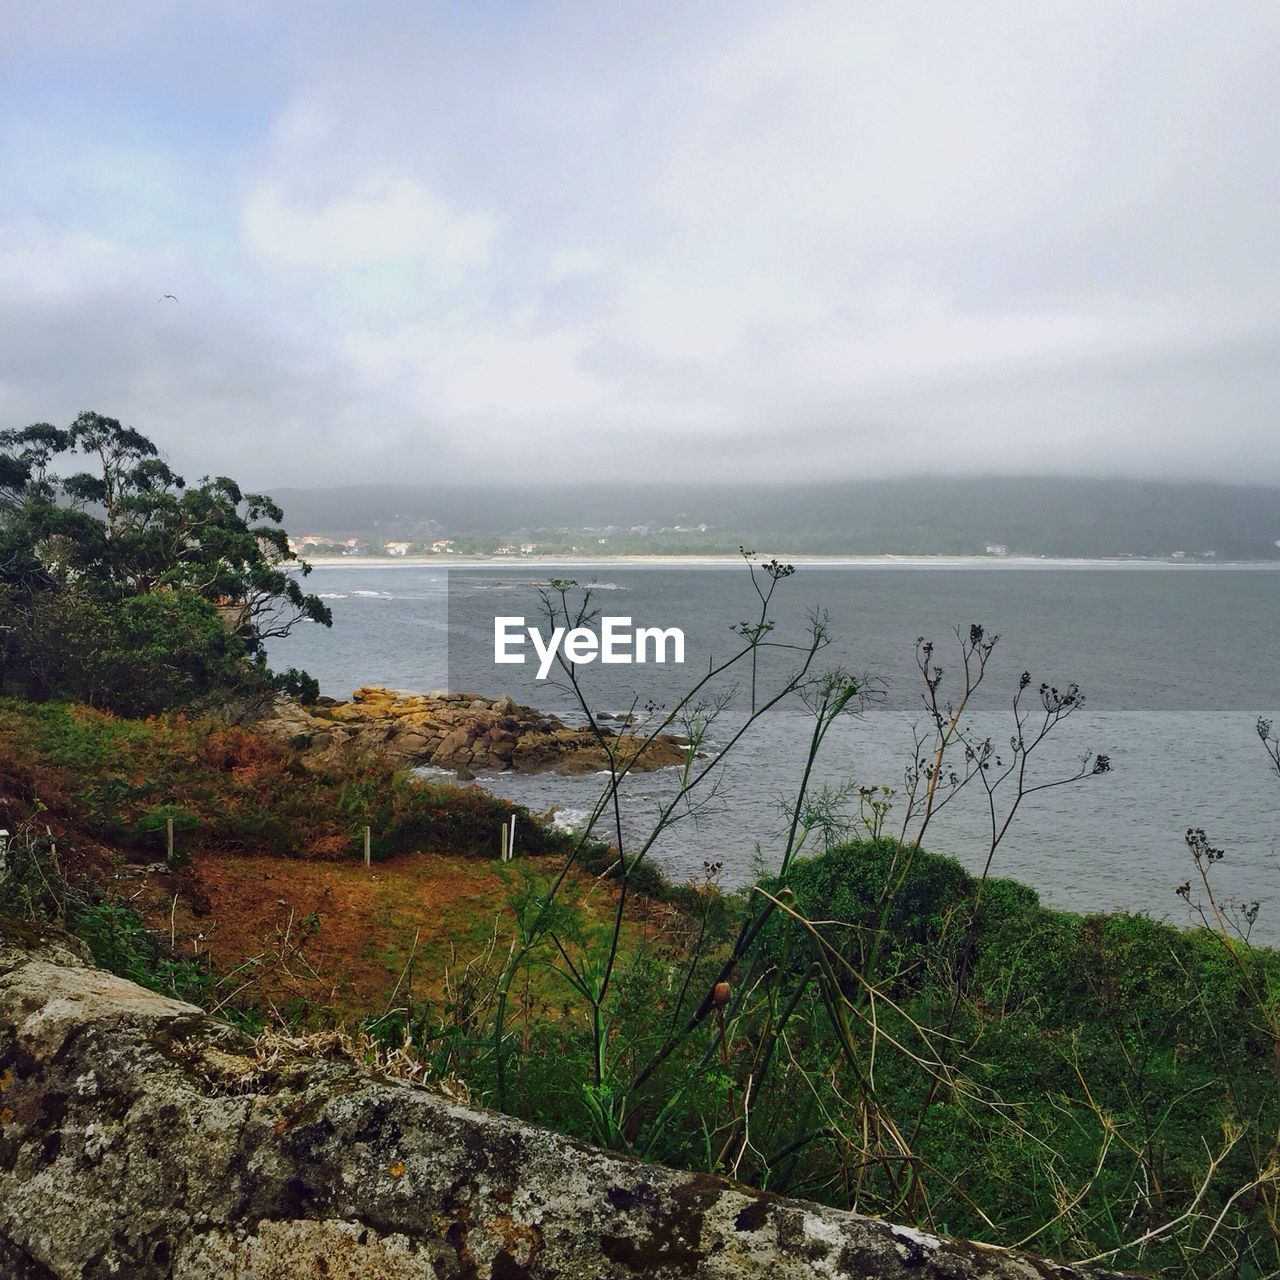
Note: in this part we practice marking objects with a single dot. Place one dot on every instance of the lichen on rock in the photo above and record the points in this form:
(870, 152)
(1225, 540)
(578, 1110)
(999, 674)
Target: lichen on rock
(462, 731)
(140, 1138)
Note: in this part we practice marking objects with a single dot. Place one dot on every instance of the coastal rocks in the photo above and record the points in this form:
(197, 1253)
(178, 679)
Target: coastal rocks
(140, 1138)
(463, 731)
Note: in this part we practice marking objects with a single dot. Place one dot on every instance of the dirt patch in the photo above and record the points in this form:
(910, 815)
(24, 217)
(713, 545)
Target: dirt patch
(327, 934)
(334, 940)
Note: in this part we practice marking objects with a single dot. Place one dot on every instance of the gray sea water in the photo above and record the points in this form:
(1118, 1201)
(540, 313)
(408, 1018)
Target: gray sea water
(1176, 663)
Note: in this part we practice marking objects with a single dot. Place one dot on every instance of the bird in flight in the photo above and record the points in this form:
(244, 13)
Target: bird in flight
(167, 295)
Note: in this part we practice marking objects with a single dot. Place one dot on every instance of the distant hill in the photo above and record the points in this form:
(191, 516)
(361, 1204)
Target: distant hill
(916, 516)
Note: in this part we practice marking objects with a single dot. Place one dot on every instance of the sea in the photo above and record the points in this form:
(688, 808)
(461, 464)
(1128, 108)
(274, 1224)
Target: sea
(1176, 664)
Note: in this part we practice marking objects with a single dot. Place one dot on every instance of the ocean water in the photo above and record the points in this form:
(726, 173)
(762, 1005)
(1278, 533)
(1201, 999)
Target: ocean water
(1176, 664)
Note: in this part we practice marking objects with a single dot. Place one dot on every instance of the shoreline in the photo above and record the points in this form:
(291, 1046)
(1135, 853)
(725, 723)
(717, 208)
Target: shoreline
(808, 561)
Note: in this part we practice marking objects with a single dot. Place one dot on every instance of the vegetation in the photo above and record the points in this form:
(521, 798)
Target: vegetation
(230, 789)
(123, 587)
(1103, 1090)
(867, 1024)
(1105, 1085)
(34, 887)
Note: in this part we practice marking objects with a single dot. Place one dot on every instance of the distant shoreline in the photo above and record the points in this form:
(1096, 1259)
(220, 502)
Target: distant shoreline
(809, 561)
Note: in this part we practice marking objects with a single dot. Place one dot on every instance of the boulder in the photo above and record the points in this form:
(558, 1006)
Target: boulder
(455, 729)
(139, 1138)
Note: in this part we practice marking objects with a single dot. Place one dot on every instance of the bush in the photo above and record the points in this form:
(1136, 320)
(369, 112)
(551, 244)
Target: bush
(876, 895)
(120, 943)
(136, 657)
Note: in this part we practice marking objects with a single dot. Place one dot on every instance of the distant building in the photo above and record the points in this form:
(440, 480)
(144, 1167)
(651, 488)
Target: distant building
(528, 548)
(396, 548)
(314, 541)
(443, 546)
(997, 549)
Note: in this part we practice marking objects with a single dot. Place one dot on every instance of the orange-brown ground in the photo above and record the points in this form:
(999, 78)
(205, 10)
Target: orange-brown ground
(336, 938)
(273, 898)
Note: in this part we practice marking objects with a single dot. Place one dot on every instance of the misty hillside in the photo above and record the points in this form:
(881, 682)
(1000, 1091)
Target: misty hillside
(918, 516)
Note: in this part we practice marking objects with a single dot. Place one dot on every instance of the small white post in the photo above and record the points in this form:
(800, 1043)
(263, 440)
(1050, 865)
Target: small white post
(368, 855)
(502, 844)
(511, 841)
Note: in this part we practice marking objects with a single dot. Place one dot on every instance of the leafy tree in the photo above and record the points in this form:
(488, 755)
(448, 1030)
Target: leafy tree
(124, 586)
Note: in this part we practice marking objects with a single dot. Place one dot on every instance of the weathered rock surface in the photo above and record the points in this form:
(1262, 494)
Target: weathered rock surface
(460, 731)
(140, 1139)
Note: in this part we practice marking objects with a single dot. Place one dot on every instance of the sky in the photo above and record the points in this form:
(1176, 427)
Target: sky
(499, 243)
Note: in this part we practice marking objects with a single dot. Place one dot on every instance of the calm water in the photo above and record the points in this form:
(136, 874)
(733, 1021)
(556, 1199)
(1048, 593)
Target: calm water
(1176, 664)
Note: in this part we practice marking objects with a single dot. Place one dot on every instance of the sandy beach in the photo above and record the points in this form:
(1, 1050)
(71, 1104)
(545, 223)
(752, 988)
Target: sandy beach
(808, 561)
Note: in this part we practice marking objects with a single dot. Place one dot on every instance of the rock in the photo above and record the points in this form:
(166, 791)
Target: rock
(452, 729)
(142, 1139)
(453, 744)
(412, 744)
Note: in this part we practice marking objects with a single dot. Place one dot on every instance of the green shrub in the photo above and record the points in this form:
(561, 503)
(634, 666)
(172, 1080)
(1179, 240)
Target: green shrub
(121, 944)
(136, 656)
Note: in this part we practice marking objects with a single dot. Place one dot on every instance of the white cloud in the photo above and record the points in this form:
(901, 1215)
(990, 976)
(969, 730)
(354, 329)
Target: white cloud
(46, 266)
(804, 237)
(383, 219)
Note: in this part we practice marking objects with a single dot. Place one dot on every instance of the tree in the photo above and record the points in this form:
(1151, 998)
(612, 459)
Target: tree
(148, 561)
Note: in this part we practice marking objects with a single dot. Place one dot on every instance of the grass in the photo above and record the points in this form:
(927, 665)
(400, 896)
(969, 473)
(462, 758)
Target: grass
(228, 788)
(968, 1060)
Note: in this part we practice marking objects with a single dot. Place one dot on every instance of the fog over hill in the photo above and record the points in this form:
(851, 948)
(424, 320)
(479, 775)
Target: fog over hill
(916, 516)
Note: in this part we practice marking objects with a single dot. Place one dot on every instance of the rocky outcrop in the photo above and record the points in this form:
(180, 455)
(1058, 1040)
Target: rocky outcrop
(141, 1139)
(464, 732)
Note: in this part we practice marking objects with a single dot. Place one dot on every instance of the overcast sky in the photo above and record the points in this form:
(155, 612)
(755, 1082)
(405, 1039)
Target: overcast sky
(500, 242)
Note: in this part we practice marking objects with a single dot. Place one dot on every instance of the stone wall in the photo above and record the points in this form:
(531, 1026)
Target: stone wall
(139, 1139)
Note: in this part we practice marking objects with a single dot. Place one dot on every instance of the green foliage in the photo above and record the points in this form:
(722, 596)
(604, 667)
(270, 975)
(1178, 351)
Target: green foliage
(1079, 1098)
(121, 944)
(229, 788)
(31, 883)
(126, 588)
(870, 889)
(140, 655)
(33, 889)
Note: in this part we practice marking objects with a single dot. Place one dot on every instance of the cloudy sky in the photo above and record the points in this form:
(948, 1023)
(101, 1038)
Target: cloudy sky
(494, 241)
